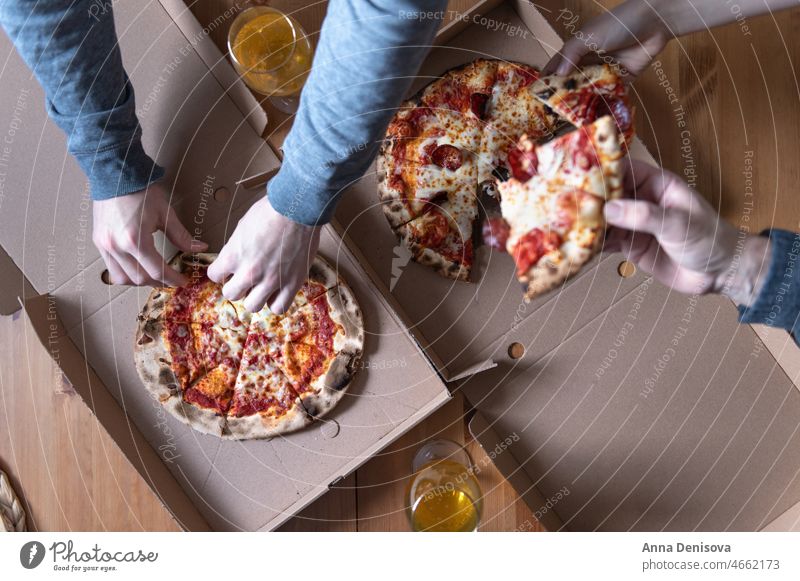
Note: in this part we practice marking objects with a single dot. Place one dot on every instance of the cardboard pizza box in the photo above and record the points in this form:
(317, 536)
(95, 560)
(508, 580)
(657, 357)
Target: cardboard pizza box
(206, 130)
(628, 406)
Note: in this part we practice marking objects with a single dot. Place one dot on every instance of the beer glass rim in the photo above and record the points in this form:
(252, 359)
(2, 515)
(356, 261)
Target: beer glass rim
(238, 22)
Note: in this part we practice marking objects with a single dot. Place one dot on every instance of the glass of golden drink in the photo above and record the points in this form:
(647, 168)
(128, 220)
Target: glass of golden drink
(443, 493)
(272, 53)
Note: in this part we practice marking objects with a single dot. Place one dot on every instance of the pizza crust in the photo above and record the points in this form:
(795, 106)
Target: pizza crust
(258, 426)
(151, 353)
(547, 87)
(546, 275)
(201, 419)
(330, 387)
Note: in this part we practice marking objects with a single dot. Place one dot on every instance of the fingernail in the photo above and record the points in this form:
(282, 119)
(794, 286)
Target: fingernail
(199, 245)
(613, 211)
(563, 68)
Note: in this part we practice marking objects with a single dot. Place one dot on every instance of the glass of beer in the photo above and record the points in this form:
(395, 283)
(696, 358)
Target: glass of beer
(272, 54)
(443, 493)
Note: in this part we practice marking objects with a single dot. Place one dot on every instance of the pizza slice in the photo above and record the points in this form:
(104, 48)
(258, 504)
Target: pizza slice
(321, 348)
(586, 95)
(511, 112)
(442, 237)
(554, 215)
(264, 401)
(417, 170)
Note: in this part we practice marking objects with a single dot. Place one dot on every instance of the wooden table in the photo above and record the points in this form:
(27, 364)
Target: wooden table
(737, 98)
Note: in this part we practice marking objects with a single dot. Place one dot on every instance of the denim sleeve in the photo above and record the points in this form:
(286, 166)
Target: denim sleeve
(71, 46)
(368, 55)
(778, 302)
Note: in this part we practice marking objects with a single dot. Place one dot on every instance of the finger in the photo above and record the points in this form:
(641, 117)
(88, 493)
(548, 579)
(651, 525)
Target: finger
(136, 273)
(179, 235)
(258, 296)
(115, 273)
(614, 239)
(643, 216)
(155, 265)
(643, 181)
(239, 285)
(568, 57)
(285, 297)
(221, 268)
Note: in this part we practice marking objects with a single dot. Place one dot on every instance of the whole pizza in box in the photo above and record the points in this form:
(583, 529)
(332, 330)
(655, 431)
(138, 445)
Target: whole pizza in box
(549, 147)
(235, 374)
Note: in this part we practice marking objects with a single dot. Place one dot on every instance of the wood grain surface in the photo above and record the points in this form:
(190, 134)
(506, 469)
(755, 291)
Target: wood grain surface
(719, 100)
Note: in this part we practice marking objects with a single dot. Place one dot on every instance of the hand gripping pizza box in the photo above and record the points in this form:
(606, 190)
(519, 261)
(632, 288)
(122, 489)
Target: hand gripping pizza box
(611, 403)
(206, 131)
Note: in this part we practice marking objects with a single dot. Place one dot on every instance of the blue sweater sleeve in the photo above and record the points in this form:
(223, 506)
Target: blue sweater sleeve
(71, 46)
(368, 55)
(778, 302)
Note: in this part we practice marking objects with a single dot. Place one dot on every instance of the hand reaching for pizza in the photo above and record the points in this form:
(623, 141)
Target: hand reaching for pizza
(631, 34)
(671, 232)
(123, 230)
(267, 259)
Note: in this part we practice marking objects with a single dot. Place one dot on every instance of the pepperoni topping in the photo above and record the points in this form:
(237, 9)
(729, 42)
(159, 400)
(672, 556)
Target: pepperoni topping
(584, 153)
(495, 233)
(448, 157)
(401, 129)
(479, 104)
(528, 76)
(531, 247)
(595, 106)
(523, 162)
(417, 115)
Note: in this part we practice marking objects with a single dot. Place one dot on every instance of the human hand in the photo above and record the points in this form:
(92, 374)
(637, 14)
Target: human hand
(671, 232)
(123, 230)
(631, 34)
(268, 256)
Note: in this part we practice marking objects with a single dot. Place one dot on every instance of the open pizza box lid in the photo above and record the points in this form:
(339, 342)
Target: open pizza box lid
(206, 132)
(632, 406)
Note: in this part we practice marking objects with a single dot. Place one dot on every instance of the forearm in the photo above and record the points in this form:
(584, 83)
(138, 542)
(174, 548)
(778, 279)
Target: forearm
(686, 16)
(766, 283)
(744, 279)
(368, 55)
(72, 49)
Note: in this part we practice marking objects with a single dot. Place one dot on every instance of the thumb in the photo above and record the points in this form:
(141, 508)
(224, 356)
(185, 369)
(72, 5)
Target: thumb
(179, 235)
(567, 59)
(668, 224)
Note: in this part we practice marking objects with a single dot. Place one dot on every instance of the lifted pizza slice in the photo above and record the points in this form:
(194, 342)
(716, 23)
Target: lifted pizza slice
(554, 205)
(587, 95)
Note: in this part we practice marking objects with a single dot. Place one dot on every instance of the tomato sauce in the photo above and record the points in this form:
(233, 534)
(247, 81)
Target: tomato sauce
(532, 246)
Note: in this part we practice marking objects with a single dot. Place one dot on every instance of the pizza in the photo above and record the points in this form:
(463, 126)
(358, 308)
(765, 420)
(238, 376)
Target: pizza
(448, 147)
(553, 204)
(239, 375)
